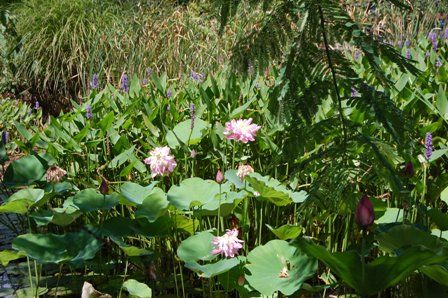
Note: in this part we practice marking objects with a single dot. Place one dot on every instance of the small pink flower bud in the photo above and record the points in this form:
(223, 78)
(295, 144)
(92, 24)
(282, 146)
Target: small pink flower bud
(219, 177)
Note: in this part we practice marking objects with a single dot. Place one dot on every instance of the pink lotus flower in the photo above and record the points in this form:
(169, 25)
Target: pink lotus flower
(364, 213)
(244, 170)
(241, 130)
(227, 245)
(160, 161)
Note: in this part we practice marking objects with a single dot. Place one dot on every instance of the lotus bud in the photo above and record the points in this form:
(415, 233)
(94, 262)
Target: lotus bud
(104, 187)
(219, 177)
(364, 213)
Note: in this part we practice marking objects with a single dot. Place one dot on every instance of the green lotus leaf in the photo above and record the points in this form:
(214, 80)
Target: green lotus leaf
(437, 272)
(403, 236)
(21, 201)
(153, 206)
(272, 190)
(391, 215)
(439, 218)
(378, 275)
(212, 269)
(59, 216)
(89, 200)
(183, 133)
(137, 289)
(7, 256)
(51, 248)
(25, 171)
(234, 279)
(196, 247)
(130, 250)
(135, 193)
(192, 192)
(286, 232)
(278, 266)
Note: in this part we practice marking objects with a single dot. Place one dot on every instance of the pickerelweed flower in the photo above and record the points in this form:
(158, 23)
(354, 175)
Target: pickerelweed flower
(438, 63)
(192, 114)
(227, 245)
(94, 83)
(149, 71)
(428, 146)
(407, 43)
(124, 83)
(353, 92)
(427, 54)
(408, 54)
(446, 33)
(160, 161)
(89, 112)
(365, 215)
(169, 93)
(435, 45)
(198, 77)
(432, 36)
(5, 137)
(145, 81)
(54, 174)
(356, 54)
(36, 105)
(244, 170)
(241, 130)
(400, 44)
(104, 187)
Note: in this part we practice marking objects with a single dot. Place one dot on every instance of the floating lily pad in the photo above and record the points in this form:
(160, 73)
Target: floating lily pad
(278, 266)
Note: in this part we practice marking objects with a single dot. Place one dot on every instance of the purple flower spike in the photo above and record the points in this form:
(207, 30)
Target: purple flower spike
(198, 77)
(89, 112)
(145, 81)
(149, 72)
(428, 146)
(400, 44)
(192, 114)
(432, 36)
(5, 136)
(124, 83)
(36, 105)
(438, 63)
(427, 54)
(446, 33)
(169, 93)
(408, 54)
(356, 54)
(407, 43)
(353, 92)
(94, 84)
(435, 45)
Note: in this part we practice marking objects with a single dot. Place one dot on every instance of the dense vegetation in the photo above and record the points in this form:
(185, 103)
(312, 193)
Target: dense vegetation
(302, 152)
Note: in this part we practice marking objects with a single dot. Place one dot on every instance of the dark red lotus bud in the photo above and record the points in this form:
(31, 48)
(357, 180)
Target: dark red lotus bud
(104, 188)
(408, 170)
(364, 213)
(234, 222)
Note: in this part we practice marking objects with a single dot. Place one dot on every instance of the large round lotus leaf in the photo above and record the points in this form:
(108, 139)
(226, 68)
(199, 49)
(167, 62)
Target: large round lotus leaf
(403, 236)
(182, 132)
(286, 232)
(192, 192)
(228, 201)
(89, 199)
(278, 266)
(130, 250)
(25, 171)
(7, 256)
(59, 216)
(137, 289)
(272, 190)
(52, 248)
(153, 206)
(234, 279)
(197, 247)
(213, 269)
(438, 272)
(439, 218)
(391, 215)
(135, 193)
(22, 200)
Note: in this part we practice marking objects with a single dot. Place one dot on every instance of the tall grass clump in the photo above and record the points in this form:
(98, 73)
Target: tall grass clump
(64, 42)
